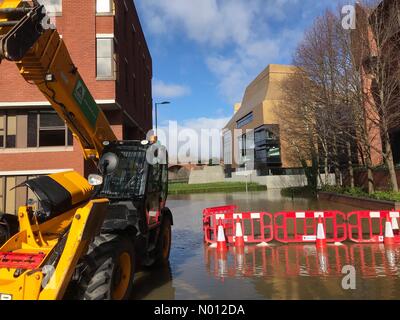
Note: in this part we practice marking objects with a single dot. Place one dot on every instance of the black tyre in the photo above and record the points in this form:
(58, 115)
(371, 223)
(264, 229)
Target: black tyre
(108, 269)
(163, 248)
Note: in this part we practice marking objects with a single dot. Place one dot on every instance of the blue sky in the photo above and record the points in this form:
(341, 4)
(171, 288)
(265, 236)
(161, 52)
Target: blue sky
(205, 52)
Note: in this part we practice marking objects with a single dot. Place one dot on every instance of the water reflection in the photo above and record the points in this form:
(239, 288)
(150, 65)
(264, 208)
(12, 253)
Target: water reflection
(370, 261)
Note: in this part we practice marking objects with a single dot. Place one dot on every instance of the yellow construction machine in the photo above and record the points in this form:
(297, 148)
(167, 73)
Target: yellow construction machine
(80, 239)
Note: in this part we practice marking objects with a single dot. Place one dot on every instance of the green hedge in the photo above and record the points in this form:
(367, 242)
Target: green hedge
(184, 188)
(358, 192)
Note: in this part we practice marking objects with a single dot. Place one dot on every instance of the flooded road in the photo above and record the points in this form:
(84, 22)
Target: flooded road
(273, 272)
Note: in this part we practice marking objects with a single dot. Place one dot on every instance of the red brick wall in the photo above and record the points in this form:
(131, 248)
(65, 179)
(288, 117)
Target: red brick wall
(381, 179)
(133, 91)
(78, 26)
(43, 160)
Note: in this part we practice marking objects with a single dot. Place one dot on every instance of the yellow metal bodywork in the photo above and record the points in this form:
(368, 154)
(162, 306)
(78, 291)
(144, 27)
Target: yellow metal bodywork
(83, 224)
(77, 186)
(49, 66)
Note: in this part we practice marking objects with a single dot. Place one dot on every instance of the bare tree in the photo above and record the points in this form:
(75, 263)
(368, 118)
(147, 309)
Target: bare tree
(297, 124)
(381, 75)
(328, 91)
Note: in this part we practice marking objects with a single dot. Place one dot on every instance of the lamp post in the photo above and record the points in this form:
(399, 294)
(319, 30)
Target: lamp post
(156, 112)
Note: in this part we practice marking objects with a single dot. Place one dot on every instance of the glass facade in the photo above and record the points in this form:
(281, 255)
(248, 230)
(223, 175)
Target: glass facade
(267, 147)
(245, 120)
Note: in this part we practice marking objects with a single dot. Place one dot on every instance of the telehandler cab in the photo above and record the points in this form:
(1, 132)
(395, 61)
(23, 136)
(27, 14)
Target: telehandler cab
(81, 239)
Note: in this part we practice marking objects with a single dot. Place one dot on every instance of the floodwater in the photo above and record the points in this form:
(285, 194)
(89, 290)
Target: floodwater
(277, 272)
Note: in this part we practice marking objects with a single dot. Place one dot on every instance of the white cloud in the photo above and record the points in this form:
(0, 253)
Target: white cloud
(168, 91)
(236, 34)
(241, 36)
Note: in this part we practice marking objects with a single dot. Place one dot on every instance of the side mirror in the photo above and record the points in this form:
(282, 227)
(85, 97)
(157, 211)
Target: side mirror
(108, 163)
(95, 180)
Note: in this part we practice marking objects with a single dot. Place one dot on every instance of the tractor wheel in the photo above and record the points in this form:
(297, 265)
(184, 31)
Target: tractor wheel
(163, 248)
(108, 269)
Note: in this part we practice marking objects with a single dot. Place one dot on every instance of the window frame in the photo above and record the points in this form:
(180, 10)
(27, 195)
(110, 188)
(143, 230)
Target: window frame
(6, 114)
(3, 130)
(109, 37)
(106, 13)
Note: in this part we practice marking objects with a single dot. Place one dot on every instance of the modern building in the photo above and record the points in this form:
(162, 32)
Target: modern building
(107, 44)
(253, 134)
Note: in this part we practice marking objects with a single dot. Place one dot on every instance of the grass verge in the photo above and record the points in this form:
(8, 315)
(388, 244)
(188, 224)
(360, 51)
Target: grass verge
(220, 187)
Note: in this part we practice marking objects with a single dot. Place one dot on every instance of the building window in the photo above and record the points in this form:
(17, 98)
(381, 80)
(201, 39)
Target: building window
(11, 139)
(8, 130)
(2, 130)
(1, 195)
(228, 147)
(246, 147)
(12, 198)
(53, 7)
(245, 120)
(104, 7)
(105, 58)
(267, 143)
(47, 129)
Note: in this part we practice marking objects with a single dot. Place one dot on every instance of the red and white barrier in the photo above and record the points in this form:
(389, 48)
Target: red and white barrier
(318, 227)
(302, 227)
(256, 227)
(370, 226)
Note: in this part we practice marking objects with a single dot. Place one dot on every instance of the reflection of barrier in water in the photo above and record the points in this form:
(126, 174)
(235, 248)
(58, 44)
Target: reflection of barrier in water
(306, 260)
(370, 261)
(292, 260)
(375, 260)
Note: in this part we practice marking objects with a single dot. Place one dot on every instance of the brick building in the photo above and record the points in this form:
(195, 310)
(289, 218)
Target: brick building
(107, 44)
(366, 51)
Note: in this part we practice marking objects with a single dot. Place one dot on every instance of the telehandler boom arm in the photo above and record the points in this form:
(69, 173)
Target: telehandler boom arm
(27, 38)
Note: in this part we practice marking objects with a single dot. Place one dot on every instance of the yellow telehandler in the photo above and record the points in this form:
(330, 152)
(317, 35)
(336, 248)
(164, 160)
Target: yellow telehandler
(80, 239)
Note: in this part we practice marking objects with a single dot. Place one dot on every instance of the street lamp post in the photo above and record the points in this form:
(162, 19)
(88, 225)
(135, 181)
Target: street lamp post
(156, 112)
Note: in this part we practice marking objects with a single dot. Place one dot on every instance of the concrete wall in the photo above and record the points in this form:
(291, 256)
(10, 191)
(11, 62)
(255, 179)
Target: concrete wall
(216, 174)
(277, 182)
(207, 175)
